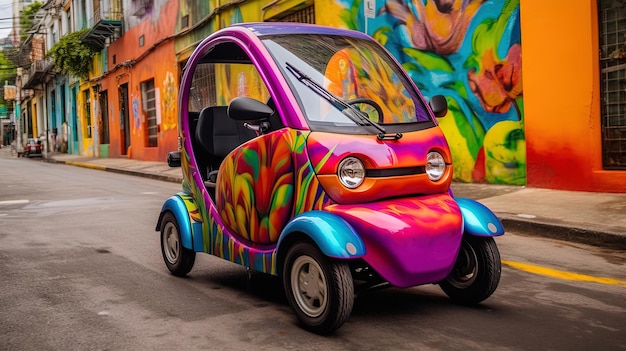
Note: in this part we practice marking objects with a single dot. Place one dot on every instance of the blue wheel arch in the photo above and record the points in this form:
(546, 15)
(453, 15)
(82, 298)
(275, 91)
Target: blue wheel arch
(479, 220)
(176, 205)
(334, 236)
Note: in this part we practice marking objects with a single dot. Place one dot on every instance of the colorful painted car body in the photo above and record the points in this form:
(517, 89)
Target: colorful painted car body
(308, 153)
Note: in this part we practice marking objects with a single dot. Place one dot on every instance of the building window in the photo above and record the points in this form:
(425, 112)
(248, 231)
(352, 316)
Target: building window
(53, 109)
(148, 101)
(184, 22)
(104, 118)
(83, 14)
(305, 15)
(613, 83)
(68, 28)
(87, 115)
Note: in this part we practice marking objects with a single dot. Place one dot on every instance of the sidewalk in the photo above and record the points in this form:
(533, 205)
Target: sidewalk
(590, 218)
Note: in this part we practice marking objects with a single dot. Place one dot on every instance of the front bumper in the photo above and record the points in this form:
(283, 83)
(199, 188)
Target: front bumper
(408, 241)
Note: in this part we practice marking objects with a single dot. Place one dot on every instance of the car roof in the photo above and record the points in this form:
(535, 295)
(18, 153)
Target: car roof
(274, 28)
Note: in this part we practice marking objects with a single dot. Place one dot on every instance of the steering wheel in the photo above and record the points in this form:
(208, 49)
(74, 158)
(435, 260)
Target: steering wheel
(367, 102)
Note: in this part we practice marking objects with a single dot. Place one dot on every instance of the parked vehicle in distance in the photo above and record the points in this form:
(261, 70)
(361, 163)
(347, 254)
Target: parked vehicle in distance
(308, 153)
(33, 147)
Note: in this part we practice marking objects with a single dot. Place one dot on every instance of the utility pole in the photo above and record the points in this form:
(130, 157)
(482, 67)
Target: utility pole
(18, 113)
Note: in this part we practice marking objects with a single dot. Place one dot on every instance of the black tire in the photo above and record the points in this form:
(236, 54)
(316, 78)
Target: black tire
(320, 290)
(178, 259)
(476, 272)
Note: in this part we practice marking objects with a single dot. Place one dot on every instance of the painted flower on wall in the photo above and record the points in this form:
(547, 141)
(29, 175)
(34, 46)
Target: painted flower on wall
(470, 52)
(504, 149)
(437, 26)
(498, 82)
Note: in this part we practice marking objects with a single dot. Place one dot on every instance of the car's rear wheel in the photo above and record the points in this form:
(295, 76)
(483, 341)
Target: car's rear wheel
(178, 259)
(320, 290)
(476, 273)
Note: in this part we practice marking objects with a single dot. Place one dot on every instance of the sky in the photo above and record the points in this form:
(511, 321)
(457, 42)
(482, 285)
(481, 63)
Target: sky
(6, 15)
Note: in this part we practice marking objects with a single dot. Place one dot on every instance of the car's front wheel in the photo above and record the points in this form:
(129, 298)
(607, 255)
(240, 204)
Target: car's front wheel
(178, 259)
(320, 290)
(476, 273)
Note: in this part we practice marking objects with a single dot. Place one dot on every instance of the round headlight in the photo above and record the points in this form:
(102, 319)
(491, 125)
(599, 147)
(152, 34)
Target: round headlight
(351, 172)
(435, 166)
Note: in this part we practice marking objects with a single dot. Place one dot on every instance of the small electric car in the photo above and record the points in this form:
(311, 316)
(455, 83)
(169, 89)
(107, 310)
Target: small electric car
(308, 153)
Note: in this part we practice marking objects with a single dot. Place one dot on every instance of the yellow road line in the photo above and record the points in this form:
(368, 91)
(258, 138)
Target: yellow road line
(555, 273)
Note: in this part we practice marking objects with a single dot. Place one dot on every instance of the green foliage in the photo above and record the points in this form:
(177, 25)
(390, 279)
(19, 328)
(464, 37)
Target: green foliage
(26, 18)
(7, 74)
(71, 55)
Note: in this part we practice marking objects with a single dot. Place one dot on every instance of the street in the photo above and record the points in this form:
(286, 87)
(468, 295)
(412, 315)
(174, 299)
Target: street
(81, 269)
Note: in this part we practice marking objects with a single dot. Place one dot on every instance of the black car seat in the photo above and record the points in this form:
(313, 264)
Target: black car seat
(218, 135)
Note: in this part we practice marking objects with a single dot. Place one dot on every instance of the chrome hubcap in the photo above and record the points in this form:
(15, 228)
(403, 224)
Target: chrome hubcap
(309, 286)
(171, 244)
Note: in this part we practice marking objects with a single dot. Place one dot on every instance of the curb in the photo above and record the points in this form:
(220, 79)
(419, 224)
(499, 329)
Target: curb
(166, 178)
(118, 170)
(564, 232)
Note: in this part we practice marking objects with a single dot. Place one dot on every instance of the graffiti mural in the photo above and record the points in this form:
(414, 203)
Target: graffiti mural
(470, 52)
(136, 115)
(170, 94)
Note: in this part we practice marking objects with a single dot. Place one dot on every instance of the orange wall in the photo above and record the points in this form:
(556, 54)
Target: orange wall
(154, 60)
(562, 97)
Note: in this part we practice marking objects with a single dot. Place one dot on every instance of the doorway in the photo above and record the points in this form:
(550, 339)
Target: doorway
(125, 122)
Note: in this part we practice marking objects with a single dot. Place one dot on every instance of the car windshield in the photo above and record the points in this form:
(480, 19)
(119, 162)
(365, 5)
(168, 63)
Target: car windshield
(334, 77)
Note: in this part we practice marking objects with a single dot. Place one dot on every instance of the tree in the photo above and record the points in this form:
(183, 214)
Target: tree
(71, 55)
(7, 74)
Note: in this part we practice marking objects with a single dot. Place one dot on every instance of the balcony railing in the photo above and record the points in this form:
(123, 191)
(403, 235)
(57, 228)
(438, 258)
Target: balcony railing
(107, 16)
(37, 74)
(103, 25)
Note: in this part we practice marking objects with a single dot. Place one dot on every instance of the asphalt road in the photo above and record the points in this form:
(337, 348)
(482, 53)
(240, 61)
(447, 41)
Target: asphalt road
(81, 269)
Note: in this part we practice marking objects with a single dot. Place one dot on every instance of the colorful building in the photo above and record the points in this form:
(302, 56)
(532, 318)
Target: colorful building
(471, 52)
(137, 89)
(556, 123)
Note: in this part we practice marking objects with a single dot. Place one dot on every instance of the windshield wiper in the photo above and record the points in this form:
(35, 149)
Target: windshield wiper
(356, 115)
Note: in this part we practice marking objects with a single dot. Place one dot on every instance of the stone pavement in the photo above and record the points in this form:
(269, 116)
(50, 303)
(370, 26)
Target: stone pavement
(591, 218)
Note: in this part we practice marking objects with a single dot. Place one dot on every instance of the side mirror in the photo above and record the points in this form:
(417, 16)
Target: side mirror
(439, 105)
(246, 109)
(173, 159)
